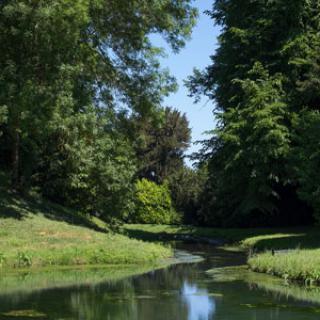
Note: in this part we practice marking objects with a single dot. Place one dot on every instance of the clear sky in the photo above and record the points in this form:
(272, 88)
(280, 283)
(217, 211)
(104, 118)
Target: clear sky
(196, 54)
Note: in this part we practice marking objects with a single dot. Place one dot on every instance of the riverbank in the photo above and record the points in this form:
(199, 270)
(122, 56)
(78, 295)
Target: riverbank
(35, 234)
(300, 264)
(290, 253)
(293, 254)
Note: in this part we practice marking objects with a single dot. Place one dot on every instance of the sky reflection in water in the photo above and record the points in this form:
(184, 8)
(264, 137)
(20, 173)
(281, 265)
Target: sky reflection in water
(200, 305)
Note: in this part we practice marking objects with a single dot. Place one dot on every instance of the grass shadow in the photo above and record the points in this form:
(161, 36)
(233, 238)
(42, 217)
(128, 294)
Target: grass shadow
(162, 235)
(10, 208)
(15, 206)
(57, 212)
(303, 240)
(260, 239)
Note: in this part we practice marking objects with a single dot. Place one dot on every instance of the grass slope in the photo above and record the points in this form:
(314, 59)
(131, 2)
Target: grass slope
(298, 264)
(296, 250)
(36, 233)
(169, 232)
(258, 239)
(296, 254)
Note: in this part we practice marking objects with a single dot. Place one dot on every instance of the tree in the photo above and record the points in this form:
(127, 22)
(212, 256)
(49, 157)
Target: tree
(84, 165)
(253, 148)
(263, 74)
(69, 70)
(186, 187)
(306, 158)
(62, 54)
(34, 60)
(161, 146)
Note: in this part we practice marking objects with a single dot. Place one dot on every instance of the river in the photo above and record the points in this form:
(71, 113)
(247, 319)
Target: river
(219, 287)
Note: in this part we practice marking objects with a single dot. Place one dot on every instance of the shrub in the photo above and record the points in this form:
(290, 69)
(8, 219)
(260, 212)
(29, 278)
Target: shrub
(2, 259)
(153, 204)
(24, 259)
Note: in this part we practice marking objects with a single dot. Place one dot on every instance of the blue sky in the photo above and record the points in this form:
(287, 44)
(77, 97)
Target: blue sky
(195, 54)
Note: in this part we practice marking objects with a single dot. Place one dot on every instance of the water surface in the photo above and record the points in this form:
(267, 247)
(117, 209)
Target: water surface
(184, 292)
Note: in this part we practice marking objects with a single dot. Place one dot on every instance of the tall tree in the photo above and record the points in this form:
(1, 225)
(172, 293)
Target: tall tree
(65, 56)
(160, 147)
(261, 80)
(69, 69)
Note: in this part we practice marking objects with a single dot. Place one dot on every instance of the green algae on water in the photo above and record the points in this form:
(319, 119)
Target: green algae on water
(22, 314)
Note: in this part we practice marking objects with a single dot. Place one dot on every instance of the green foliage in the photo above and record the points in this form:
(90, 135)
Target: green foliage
(161, 143)
(2, 259)
(306, 158)
(3, 117)
(86, 166)
(23, 260)
(69, 71)
(264, 72)
(253, 145)
(51, 235)
(153, 204)
(186, 187)
(3, 114)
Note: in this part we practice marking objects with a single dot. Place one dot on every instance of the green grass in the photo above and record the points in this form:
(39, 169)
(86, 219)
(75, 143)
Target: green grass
(156, 232)
(36, 233)
(38, 241)
(296, 256)
(297, 250)
(298, 264)
(258, 239)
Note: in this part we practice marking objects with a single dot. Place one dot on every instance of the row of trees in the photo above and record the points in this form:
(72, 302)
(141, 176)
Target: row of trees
(82, 120)
(264, 156)
(81, 91)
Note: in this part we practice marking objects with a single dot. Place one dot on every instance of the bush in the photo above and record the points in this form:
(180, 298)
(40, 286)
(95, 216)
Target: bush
(153, 204)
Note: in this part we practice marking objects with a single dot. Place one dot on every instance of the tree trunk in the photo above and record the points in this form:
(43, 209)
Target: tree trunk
(15, 181)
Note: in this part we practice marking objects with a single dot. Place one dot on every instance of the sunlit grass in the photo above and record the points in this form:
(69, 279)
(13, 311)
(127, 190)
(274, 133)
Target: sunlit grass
(37, 241)
(295, 265)
(37, 234)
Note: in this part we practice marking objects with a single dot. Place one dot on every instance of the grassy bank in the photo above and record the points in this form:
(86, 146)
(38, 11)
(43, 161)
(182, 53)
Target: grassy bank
(166, 232)
(291, 253)
(255, 239)
(35, 233)
(299, 264)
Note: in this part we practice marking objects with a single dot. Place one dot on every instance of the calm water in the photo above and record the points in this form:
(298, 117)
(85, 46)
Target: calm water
(180, 292)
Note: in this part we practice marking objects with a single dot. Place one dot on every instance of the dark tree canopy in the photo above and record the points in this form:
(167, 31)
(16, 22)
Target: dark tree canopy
(69, 69)
(161, 147)
(264, 79)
